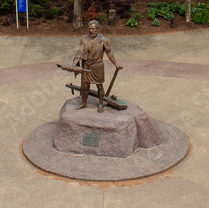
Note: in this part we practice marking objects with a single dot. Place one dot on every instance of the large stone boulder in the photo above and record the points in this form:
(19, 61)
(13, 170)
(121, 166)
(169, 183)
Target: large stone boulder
(112, 133)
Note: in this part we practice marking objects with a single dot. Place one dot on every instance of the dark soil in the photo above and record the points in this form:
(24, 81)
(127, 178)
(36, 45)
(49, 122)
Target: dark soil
(62, 25)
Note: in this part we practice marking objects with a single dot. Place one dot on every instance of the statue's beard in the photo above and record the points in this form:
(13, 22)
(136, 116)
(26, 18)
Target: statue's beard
(92, 35)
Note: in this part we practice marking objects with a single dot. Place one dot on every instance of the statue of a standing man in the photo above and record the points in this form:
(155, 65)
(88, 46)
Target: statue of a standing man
(90, 56)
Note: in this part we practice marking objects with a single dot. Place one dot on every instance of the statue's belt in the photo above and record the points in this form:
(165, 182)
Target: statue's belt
(88, 65)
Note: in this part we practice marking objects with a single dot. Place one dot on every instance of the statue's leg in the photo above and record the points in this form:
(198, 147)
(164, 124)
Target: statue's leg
(101, 97)
(84, 93)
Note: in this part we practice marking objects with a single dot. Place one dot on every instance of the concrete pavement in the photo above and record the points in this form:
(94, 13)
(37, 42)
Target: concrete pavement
(184, 47)
(176, 93)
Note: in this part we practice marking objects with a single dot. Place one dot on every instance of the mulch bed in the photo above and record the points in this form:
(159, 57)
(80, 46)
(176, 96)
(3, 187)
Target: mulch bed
(59, 25)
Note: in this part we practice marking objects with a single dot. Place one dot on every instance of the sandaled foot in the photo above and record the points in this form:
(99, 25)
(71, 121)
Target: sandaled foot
(100, 108)
(83, 105)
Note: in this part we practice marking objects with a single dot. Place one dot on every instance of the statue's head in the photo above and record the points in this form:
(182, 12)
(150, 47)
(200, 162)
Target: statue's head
(93, 27)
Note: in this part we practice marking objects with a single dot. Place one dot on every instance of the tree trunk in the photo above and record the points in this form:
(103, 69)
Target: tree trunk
(77, 17)
(188, 11)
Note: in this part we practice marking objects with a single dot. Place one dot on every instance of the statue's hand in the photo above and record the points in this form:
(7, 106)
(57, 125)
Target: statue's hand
(118, 67)
(59, 65)
(72, 68)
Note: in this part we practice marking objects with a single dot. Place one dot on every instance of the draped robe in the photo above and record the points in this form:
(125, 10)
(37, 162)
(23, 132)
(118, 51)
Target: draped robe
(91, 51)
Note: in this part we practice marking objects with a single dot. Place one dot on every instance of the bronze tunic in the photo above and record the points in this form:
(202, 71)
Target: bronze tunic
(91, 51)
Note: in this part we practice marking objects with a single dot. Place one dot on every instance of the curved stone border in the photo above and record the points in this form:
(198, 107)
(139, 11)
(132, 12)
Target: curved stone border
(150, 68)
(38, 148)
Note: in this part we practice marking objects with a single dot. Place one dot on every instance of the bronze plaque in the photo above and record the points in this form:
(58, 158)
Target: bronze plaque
(91, 139)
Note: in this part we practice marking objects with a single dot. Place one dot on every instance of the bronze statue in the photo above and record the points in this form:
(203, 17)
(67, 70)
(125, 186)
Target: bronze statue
(90, 57)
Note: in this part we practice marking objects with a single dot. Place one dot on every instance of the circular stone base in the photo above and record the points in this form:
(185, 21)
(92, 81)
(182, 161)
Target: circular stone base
(38, 148)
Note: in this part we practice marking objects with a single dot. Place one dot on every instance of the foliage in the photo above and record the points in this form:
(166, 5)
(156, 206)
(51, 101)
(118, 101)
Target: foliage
(132, 22)
(152, 4)
(151, 16)
(166, 10)
(160, 9)
(101, 18)
(181, 9)
(54, 11)
(163, 11)
(202, 5)
(132, 9)
(36, 10)
(152, 13)
(168, 15)
(200, 13)
(156, 22)
(137, 16)
(50, 13)
(7, 6)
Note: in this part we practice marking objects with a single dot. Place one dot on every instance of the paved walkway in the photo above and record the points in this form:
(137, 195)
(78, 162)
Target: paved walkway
(176, 93)
(189, 47)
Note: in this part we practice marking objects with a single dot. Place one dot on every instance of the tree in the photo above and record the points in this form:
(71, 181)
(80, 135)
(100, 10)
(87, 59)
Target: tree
(77, 17)
(188, 10)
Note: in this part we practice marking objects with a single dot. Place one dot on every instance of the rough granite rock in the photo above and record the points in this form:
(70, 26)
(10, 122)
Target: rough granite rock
(119, 133)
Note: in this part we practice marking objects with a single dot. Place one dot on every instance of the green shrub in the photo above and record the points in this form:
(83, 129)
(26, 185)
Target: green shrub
(36, 10)
(101, 18)
(137, 16)
(132, 9)
(132, 22)
(54, 11)
(152, 4)
(181, 9)
(174, 6)
(7, 6)
(152, 11)
(4, 5)
(151, 16)
(50, 13)
(165, 10)
(162, 5)
(161, 12)
(202, 5)
(168, 16)
(156, 22)
(200, 14)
